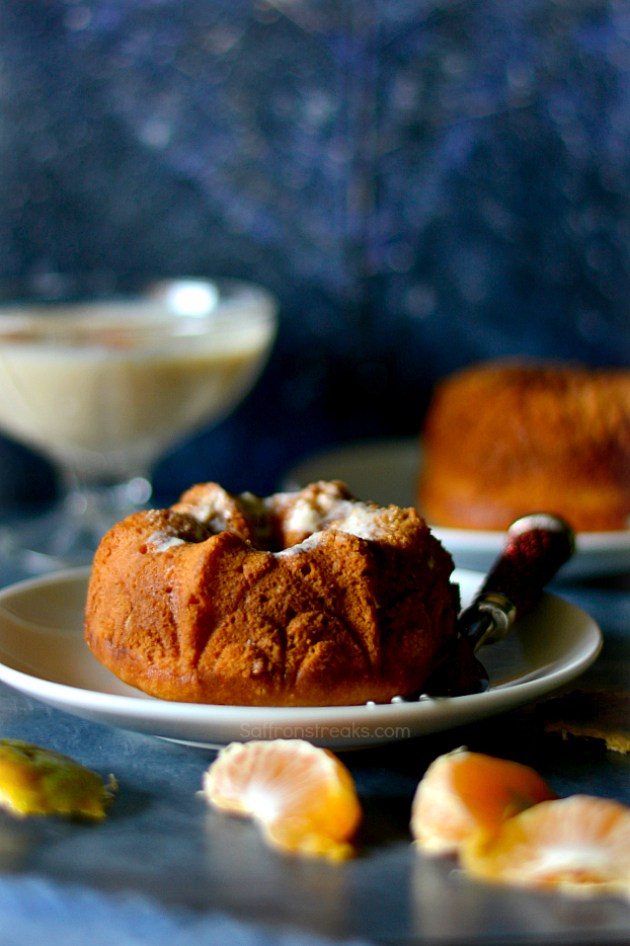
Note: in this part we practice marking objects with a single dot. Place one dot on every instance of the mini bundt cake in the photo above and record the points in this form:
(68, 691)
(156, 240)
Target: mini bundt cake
(298, 599)
(503, 439)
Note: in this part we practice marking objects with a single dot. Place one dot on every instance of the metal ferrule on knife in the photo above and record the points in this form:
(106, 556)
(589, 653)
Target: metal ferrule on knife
(488, 619)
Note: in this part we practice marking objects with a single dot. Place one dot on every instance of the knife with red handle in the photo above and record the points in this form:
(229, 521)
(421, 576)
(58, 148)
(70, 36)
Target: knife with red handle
(536, 547)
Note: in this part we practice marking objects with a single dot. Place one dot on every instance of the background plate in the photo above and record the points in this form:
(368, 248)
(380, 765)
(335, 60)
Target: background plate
(43, 655)
(386, 471)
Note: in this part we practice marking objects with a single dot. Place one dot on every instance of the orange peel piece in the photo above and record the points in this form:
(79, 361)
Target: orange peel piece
(37, 781)
(464, 792)
(302, 797)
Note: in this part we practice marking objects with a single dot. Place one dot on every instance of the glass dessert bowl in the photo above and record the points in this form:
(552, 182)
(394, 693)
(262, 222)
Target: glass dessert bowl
(103, 385)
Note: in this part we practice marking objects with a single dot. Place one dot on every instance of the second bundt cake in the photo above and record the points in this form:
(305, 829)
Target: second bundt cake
(302, 598)
(503, 439)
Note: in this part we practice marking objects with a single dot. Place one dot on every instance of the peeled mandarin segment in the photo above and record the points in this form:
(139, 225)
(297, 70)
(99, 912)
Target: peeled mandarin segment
(578, 844)
(463, 792)
(36, 781)
(291, 839)
(303, 797)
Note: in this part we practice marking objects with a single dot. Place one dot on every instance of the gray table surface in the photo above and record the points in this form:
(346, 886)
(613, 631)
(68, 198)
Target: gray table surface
(164, 868)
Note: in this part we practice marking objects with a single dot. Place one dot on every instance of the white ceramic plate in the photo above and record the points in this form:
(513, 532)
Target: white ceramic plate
(42, 654)
(386, 471)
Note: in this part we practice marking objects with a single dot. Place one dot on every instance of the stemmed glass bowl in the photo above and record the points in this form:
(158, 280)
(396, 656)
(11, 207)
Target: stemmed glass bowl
(103, 383)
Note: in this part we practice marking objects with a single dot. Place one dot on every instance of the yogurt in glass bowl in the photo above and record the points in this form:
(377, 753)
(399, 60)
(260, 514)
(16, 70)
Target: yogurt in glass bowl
(103, 384)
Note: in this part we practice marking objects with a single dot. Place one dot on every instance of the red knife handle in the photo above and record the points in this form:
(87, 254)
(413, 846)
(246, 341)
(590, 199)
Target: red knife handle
(536, 548)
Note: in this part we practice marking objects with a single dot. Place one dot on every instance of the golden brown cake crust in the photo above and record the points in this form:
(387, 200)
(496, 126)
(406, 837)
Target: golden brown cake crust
(305, 598)
(504, 439)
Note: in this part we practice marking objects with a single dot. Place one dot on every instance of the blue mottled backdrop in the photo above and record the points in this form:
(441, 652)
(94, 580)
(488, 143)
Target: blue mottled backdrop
(423, 183)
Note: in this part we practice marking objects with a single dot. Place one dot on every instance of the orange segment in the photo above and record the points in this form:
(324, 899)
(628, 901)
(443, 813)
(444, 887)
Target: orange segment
(303, 797)
(463, 792)
(579, 844)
